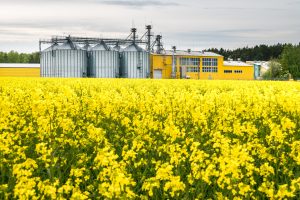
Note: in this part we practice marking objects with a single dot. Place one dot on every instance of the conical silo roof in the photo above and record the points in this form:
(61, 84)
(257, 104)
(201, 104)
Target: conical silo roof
(52, 47)
(101, 47)
(133, 47)
(68, 46)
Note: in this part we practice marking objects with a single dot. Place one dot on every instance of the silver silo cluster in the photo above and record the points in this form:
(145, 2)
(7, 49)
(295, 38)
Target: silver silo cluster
(97, 57)
(65, 60)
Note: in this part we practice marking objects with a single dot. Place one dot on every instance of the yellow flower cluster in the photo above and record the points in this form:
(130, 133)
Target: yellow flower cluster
(149, 139)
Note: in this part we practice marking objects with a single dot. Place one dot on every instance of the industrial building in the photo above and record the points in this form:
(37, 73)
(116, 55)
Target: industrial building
(19, 70)
(198, 65)
(132, 57)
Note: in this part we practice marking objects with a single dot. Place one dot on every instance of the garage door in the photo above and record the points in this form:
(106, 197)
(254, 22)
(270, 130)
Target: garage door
(157, 74)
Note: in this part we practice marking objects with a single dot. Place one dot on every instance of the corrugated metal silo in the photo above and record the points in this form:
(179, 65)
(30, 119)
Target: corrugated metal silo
(46, 61)
(66, 60)
(134, 62)
(104, 63)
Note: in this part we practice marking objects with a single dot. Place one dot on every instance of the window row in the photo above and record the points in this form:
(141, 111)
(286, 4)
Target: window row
(235, 71)
(210, 62)
(210, 69)
(192, 69)
(238, 71)
(207, 62)
(190, 61)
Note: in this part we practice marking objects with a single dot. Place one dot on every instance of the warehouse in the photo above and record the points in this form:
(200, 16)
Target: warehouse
(198, 65)
(19, 70)
(238, 70)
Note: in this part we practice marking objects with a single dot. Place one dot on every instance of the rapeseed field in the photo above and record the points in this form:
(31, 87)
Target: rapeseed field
(149, 139)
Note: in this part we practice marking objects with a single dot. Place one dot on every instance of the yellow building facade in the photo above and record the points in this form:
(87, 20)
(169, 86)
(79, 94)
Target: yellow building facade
(179, 65)
(19, 70)
(198, 65)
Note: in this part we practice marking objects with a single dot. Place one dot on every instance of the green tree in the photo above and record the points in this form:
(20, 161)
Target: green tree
(15, 57)
(258, 52)
(34, 57)
(290, 60)
(2, 58)
(275, 71)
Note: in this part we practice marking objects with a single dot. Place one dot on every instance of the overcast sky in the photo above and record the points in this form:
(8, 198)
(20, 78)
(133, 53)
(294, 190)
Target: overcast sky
(195, 24)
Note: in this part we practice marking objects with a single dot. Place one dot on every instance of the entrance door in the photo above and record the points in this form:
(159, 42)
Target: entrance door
(157, 74)
(182, 71)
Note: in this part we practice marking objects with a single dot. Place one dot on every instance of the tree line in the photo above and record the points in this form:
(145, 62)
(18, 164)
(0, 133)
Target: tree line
(258, 52)
(15, 57)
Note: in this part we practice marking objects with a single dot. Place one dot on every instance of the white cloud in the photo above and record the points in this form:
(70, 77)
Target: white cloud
(189, 24)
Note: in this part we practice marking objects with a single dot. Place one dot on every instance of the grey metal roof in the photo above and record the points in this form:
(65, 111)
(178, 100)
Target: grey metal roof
(191, 53)
(52, 47)
(68, 46)
(236, 63)
(133, 47)
(100, 47)
(65, 46)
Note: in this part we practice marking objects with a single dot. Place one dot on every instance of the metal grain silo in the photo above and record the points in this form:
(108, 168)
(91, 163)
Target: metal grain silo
(134, 62)
(104, 63)
(66, 60)
(47, 61)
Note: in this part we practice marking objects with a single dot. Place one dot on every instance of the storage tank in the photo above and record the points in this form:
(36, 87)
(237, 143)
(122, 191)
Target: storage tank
(104, 63)
(46, 60)
(134, 62)
(66, 60)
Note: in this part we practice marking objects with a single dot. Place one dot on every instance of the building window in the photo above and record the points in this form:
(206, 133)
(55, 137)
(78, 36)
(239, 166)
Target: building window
(210, 69)
(190, 61)
(195, 61)
(192, 69)
(210, 62)
(227, 71)
(238, 71)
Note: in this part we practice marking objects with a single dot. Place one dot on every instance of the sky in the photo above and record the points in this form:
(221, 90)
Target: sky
(193, 24)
